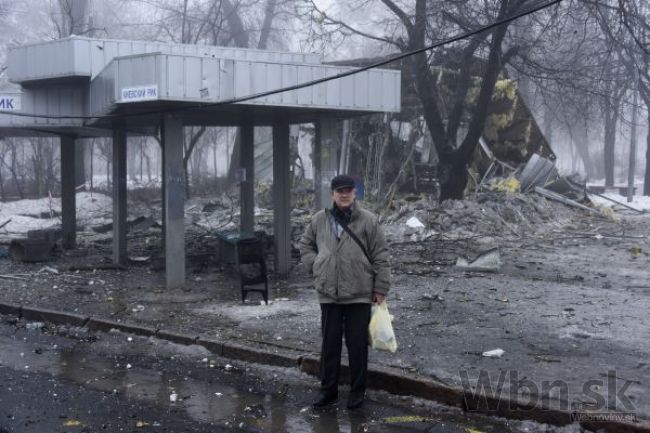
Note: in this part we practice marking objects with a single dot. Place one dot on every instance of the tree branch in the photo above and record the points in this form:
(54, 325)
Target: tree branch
(355, 30)
(406, 20)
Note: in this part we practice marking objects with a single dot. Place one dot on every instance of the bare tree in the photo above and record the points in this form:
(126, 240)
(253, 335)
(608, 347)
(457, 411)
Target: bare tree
(627, 24)
(455, 129)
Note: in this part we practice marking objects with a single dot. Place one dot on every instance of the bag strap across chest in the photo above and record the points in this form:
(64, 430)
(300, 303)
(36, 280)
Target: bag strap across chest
(347, 229)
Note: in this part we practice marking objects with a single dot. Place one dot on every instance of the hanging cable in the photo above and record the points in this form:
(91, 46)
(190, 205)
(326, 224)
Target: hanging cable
(231, 101)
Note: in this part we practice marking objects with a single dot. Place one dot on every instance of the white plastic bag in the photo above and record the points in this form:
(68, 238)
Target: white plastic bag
(380, 329)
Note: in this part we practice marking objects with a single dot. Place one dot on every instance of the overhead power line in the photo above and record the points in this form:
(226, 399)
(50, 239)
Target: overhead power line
(529, 11)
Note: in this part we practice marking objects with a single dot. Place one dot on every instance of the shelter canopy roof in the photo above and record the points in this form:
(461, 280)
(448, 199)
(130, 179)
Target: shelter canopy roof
(77, 83)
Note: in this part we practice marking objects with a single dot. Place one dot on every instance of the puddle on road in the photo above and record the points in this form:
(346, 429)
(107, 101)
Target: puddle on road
(216, 402)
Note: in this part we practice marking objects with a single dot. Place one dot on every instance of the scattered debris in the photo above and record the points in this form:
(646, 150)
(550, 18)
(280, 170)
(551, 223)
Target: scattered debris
(537, 171)
(48, 269)
(487, 261)
(495, 353)
(641, 211)
(32, 326)
(405, 419)
(14, 277)
(139, 259)
(414, 223)
(562, 199)
(509, 185)
(71, 423)
(98, 266)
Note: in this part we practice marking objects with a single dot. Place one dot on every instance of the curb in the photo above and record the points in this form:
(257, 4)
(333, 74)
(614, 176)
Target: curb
(60, 318)
(10, 309)
(260, 356)
(175, 337)
(390, 379)
(105, 325)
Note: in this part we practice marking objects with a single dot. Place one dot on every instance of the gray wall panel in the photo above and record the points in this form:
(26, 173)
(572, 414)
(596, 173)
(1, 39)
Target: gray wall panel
(347, 91)
(175, 76)
(192, 79)
(210, 79)
(304, 75)
(273, 81)
(242, 78)
(226, 79)
(79, 56)
(289, 76)
(361, 90)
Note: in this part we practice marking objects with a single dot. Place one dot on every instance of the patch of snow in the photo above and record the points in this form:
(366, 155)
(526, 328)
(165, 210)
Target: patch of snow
(25, 215)
(639, 202)
(242, 312)
(414, 223)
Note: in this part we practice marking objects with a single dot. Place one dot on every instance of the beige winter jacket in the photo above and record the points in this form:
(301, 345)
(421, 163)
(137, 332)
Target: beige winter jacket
(342, 273)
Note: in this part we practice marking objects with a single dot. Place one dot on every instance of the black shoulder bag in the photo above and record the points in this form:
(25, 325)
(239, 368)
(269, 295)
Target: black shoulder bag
(352, 235)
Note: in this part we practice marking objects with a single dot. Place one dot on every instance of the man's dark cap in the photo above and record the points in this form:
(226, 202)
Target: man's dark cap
(342, 181)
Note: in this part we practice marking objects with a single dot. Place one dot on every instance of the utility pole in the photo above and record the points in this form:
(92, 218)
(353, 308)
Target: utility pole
(632, 167)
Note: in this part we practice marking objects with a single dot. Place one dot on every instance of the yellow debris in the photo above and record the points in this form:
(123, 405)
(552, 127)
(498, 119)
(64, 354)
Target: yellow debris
(473, 430)
(505, 88)
(72, 423)
(635, 250)
(509, 185)
(608, 212)
(405, 419)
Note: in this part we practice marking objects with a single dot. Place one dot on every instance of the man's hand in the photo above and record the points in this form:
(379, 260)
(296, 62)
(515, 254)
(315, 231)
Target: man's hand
(377, 298)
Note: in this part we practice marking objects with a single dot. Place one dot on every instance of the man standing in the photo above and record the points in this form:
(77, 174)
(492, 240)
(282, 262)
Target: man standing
(346, 250)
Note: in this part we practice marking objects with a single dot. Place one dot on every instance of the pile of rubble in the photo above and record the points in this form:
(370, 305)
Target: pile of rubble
(493, 214)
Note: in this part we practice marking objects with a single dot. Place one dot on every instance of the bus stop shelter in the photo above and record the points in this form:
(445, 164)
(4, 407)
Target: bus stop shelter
(83, 87)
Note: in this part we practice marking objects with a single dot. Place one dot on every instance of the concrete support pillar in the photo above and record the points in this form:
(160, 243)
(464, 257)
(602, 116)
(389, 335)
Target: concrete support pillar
(174, 198)
(80, 162)
(281, 198)
(68, 193)
(325, 161)
(247, 185)
(119, 194)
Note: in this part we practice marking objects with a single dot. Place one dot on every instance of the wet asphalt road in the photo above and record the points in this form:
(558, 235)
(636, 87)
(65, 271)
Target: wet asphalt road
(63, 379)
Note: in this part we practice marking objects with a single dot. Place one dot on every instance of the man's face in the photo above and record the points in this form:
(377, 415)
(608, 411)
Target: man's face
(344, 197)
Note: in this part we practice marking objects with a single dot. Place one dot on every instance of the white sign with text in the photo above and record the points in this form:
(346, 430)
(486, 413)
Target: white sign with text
(10, 102)
(140, 93)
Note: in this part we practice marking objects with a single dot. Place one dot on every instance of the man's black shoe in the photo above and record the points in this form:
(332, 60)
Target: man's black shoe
(323, 399)
(355, 402)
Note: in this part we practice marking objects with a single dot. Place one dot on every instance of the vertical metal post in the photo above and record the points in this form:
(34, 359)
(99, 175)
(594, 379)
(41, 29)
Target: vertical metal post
(119, 194)
(247, 191)
(317, 166)
(68, 193)
(281, 198)
(632, 167)
(174, 197)
(344, 165)
(325, 161)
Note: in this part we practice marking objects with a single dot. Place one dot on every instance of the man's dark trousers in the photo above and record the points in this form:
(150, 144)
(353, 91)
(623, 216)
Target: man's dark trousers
(351, 320)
